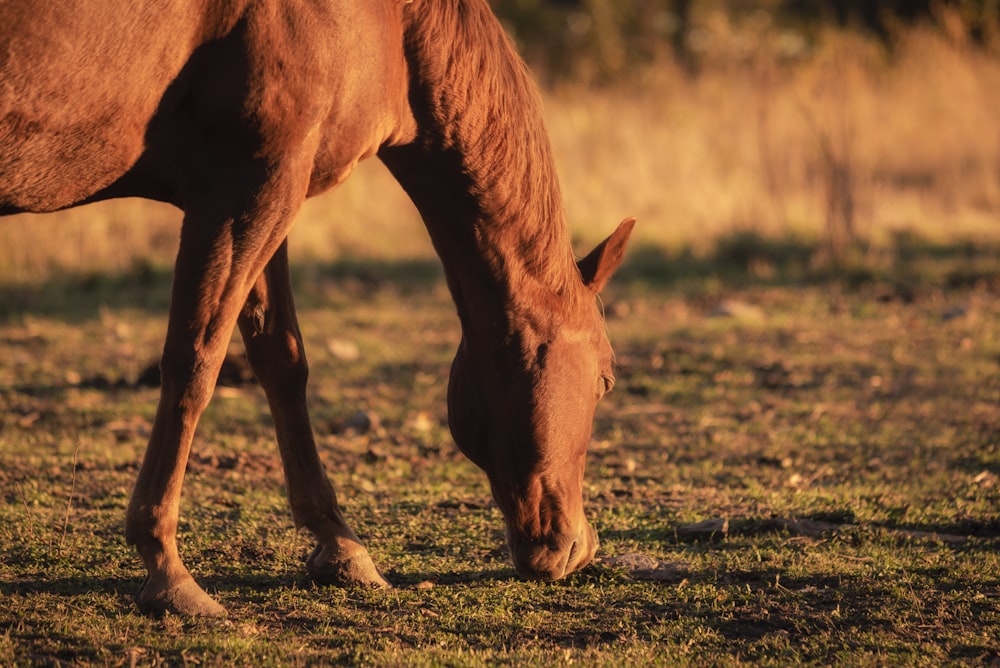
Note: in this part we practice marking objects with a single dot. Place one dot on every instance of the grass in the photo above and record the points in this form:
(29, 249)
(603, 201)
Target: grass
(870, 413)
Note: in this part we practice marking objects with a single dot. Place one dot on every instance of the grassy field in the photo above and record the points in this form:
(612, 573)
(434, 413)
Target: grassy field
(803, 446)
(834, 444)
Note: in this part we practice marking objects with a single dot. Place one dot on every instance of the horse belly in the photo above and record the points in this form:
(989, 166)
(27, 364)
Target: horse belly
(46, 166)
(78, 87)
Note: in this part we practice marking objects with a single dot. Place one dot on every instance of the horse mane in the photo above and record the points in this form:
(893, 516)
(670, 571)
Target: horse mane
(474, 99)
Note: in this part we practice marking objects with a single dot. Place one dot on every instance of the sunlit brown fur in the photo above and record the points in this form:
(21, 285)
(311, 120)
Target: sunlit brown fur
(236, 111)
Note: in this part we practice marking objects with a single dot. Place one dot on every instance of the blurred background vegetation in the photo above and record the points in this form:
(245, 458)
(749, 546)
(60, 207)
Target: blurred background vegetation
(779, 139)
(610, 40)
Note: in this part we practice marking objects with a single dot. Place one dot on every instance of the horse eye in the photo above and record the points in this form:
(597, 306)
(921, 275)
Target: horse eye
(605, 384)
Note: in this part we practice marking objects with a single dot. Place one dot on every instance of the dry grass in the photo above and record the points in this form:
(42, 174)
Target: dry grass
(846, 136)
(750, 146)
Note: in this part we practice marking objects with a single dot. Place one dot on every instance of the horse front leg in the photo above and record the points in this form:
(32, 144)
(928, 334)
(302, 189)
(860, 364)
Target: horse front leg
(274, 347)
(188, 374)
(221, 253)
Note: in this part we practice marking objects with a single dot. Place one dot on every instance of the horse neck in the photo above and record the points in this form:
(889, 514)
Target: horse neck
(481, 169)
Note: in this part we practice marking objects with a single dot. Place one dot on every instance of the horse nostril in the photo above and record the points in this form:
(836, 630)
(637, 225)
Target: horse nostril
(573, 549)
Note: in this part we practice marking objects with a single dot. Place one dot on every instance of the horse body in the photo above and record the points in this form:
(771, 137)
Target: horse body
(235, 114)
(99, 100)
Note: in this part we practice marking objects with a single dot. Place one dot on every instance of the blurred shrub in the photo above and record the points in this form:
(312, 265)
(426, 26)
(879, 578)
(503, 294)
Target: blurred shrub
(975, 20)
(599, 41)
(592, 40)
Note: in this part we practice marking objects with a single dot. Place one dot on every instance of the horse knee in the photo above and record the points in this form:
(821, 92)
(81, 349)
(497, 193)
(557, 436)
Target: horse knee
(187, 380)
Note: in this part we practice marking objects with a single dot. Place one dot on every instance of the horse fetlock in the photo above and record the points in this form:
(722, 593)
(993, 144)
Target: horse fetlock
(335, 565)
(155, 542)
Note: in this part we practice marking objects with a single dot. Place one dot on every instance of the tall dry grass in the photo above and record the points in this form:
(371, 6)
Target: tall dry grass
(831, 141)
(902, 141)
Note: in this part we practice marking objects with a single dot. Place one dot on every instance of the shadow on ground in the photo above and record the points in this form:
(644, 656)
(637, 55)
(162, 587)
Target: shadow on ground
(77, 297)
(904, 269)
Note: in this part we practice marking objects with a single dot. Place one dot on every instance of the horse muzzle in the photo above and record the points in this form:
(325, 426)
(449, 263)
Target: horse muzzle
(552, 560)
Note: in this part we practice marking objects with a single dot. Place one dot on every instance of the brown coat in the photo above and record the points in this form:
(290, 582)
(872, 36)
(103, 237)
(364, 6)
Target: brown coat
(235, 111)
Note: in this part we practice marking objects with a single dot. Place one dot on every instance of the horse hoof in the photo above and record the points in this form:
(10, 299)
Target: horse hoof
(354, 570)
(186, 599)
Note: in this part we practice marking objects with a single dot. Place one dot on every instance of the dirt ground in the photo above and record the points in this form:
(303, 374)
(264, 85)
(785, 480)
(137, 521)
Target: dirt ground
(784, 473)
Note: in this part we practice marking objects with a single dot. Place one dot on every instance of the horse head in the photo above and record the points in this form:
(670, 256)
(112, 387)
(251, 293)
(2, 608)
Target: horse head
(521, 407)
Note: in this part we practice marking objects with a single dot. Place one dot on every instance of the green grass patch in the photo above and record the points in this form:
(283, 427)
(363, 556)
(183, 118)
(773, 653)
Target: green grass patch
(841, 439)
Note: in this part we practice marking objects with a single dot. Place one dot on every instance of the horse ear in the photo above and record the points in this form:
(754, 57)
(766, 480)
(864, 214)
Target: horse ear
(598, 266)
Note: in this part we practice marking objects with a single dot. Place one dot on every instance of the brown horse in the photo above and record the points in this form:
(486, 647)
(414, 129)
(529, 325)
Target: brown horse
(235, 111)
